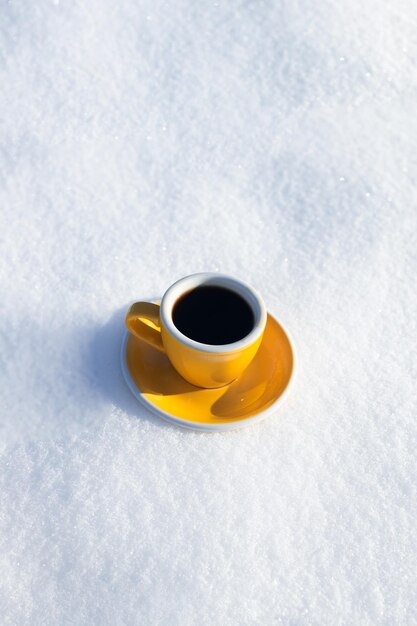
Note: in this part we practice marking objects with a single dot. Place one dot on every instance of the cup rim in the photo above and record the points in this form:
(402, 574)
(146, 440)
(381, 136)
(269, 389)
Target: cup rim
(192, 281)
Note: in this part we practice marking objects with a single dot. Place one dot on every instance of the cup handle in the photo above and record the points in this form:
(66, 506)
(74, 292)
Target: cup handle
(143, 321)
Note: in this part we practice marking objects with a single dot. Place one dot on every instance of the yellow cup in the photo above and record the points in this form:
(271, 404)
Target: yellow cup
(201, 364)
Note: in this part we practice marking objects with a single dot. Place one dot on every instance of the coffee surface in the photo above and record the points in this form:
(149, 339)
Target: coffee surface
(213, 315)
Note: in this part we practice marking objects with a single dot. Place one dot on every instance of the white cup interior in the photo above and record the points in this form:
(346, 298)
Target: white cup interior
(219, 280)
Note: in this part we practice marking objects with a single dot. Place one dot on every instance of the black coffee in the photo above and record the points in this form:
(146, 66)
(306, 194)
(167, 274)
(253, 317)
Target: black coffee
(213, 315)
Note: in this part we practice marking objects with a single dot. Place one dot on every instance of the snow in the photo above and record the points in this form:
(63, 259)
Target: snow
(143, 141)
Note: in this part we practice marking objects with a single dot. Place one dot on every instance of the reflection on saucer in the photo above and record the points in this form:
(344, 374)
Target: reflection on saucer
(251, 397)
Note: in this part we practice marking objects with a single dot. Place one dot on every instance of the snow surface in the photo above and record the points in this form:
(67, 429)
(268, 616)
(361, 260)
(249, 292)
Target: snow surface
(142, 141)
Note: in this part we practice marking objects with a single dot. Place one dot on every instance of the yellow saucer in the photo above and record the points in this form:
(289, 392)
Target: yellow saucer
(257, 393)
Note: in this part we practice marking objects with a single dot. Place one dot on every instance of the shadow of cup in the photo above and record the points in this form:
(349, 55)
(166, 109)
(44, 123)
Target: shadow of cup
(265, 378)
(104, 356)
